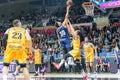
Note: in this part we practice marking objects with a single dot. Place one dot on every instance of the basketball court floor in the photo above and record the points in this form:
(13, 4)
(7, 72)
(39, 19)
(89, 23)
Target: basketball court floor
(64, 76)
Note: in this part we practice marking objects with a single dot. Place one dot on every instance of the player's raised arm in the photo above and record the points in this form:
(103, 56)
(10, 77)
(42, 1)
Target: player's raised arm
(68, 27)
(72, 31)
(67, 13)
(28, 37)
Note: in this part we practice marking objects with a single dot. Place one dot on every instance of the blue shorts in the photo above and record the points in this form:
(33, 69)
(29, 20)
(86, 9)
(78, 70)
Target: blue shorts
(65, 43)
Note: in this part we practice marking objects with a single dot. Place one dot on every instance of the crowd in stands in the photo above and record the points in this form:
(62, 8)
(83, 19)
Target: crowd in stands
(46, 39)
(103, 39)
(76, 15)
(44, 17)
(32, 18)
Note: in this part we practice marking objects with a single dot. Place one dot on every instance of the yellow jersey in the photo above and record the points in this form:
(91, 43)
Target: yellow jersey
(17, 36)
(26, 43)
(76, 43)
(75, 52)
(88, 48)
(15, 45)
(38, 56)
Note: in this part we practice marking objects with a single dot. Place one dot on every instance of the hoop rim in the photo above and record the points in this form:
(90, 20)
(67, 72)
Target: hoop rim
(87, 4)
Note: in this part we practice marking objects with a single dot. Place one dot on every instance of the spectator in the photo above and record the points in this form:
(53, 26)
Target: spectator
(99, 65)
(106, 64)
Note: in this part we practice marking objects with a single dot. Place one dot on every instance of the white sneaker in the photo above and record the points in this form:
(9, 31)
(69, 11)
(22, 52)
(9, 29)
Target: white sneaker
(66, 66)
(42, 70)
(16, 73)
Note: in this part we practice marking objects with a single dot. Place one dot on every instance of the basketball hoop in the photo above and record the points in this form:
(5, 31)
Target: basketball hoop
(89, 8)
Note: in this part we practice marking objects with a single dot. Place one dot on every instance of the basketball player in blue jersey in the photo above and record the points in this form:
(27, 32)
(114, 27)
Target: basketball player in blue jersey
(63, 33)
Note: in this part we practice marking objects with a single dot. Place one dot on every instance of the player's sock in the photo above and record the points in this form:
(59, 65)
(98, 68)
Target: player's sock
(61, 63)
(43, 70)
(118, 71)
(16, 72)
(66, 65)
(5, 77)
(104, 70)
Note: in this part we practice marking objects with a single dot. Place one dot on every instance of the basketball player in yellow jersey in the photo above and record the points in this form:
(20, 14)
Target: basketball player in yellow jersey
(38, 60)
(75, 52)
(18, 68)
(15, 48)
(89, 49)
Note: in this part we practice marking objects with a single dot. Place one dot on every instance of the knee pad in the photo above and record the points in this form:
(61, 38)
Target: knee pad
(22, 65)
(6, 64)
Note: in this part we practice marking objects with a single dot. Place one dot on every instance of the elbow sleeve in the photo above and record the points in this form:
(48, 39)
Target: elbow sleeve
(4, 40)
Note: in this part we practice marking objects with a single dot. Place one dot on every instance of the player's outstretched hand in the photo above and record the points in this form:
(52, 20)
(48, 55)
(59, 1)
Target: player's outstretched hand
(69, 3)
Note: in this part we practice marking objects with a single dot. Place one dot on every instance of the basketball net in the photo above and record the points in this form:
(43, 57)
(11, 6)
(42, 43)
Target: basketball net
(89, 8)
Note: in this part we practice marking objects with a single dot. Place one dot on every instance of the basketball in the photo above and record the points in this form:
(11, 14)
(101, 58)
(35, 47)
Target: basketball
(69, 2)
